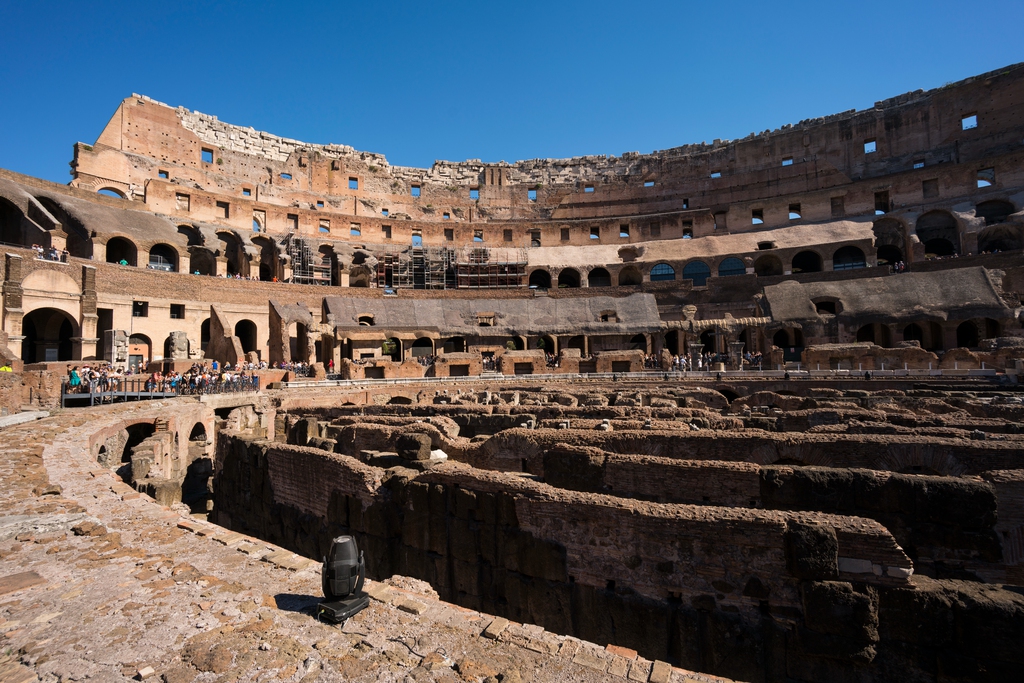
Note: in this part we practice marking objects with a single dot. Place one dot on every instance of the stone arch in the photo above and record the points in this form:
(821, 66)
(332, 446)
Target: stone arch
(663, 272)
(140, 351)
(246, 332)
(599, 277)
(807, 261)
(569, 278)
(454, 345)
(79, 238)
(630, 277)
(234, 252)
(163, 257)
(697, 272)
(270, 261)
(114, 192)
(890, 241)
(1000, 237)
(122, 249)
(396, 353)
(192, 234)
(540, 279)
(967, 336)
(49, 335)
(640, 342)
(994, 211)
(875, 333)
(731, 266)
(202, 261)
(939, 232)
(204, 334)
(424, 346)
(848, 258)
(768, 266)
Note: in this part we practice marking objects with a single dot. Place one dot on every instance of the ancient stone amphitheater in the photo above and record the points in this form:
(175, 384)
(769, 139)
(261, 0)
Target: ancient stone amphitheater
(783, 442)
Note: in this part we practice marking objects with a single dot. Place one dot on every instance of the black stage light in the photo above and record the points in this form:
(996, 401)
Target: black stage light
(343, 573)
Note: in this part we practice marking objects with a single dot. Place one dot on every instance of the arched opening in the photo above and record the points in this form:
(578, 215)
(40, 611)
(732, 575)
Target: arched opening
(889, 255)
(122, 251)
(198, 433)
(992, 328)
(663, 272)
(202, 261)
(298, 343)
(163, 257)
(196, 488)
(707, 341)
(569, 278)
(781, 339)
(807, 262)
(967, 335)
(768, 266)
(137, 433)
(890, 241)
(875, 333)
(672, 342)
(170, 350)
(730, 395)
(547, 344)
(422, 347)
(599, 277)
(329, 260)
(269, 261)
(392, 348)
(455, 345)
(994, 211)
(697, 272)
(192, 234)
(245, 330)
(1000, 238)
(48, 336)
(140, 351)
(578, 342)
(366, 320)
(233, 250)
(111, 192)
(938, 231)
(359, 276)
(848, 258)
(638, 342)
(10, 223)
(79, 240)
(731, 266)
(913, 332)
(204, 335)
(518, 344)
(540, 279)
(630, 277)
(400, 401)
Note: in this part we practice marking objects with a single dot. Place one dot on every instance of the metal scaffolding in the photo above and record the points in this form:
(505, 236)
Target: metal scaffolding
(445, 268)
(486, 268)
(308, 267)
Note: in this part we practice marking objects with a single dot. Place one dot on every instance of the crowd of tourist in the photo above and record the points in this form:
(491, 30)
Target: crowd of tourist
(50, 253)
(203, 379)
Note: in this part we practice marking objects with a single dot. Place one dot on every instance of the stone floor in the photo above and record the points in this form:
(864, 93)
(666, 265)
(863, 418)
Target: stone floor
(100, 583)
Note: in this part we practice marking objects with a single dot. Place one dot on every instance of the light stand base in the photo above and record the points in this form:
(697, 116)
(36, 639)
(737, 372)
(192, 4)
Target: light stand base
(337, 611)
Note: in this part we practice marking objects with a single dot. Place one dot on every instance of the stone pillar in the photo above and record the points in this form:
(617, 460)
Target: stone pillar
(736, 353)
(86, 348)
(12, 296)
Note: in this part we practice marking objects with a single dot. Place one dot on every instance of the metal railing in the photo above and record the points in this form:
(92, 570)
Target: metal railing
(112, 390)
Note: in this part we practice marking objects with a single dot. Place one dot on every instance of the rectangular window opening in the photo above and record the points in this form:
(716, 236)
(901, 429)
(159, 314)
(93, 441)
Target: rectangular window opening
(385, 231)
(986, 177)
(478, 235)
(623, 231)
(787, 161)
(140, 309)
(648, 183)
(319, 203)
(882, 202)
(870, 146)
(930, 188)
(246, 192)
(449, 235)
(919, 163)
(588, 188)
(757, 216)
(325, 226)
(183, 201)
(531, 195)
(716, 174)
(535, 238)
(177, 311)
(969, 121)
(595, 233)
(293, 221)
(286, 176)
(564, 235)
(686, 203)
(207, 155)
(417, 239)
(384, 212)
(415, 190)
(507, 235)
(838, 207)
(474, 193)
(353, 183)
(355, 229)
(163, 174)
(656, 229)
(223, 210)
(794, 212)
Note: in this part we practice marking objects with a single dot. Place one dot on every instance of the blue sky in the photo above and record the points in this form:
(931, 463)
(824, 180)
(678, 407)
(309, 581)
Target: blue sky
(419, 81)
